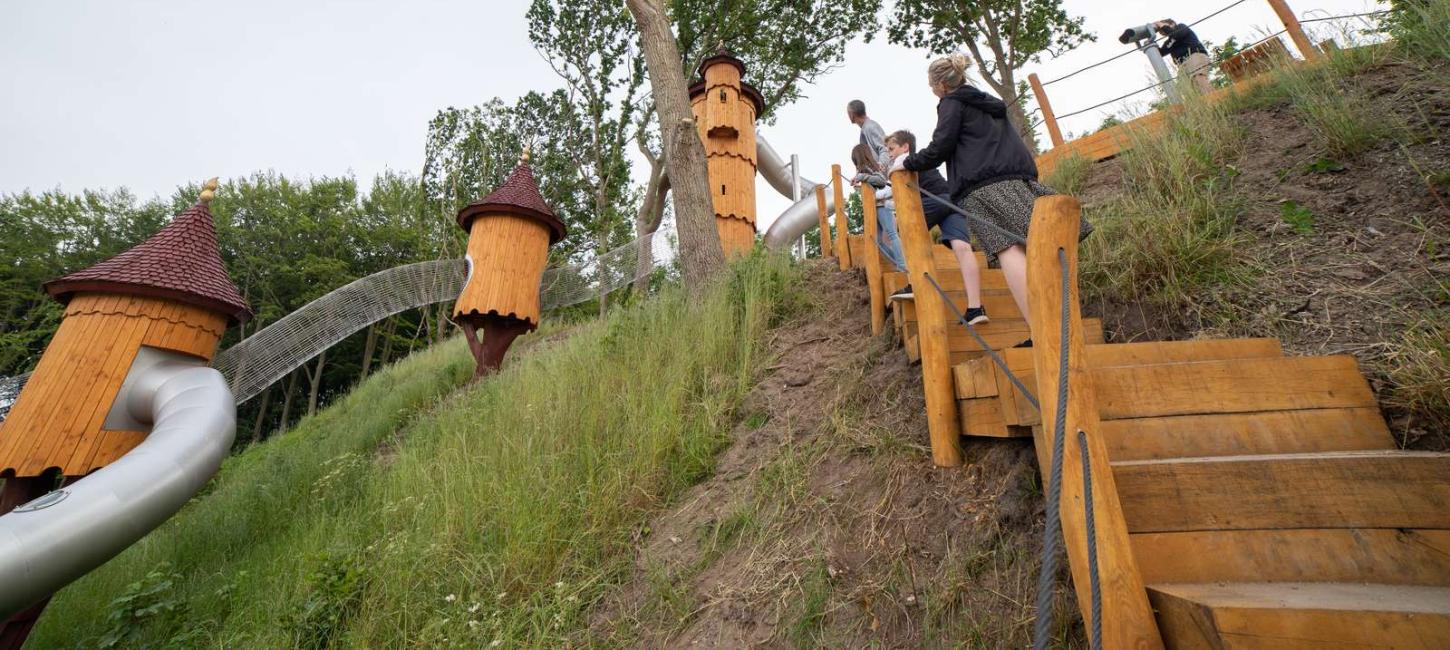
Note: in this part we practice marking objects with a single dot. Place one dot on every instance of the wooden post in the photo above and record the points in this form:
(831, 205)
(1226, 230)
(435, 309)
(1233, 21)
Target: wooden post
(1048, 117)
(825, 225)
(843, 252)
(1296, 32)
(1127, 618)
(872, 252)
(931, 325)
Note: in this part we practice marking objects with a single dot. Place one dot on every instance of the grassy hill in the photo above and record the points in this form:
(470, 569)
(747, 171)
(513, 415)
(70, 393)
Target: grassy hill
(423, 510)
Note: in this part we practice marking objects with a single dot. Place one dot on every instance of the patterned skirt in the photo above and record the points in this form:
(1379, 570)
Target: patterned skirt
(1008, 206)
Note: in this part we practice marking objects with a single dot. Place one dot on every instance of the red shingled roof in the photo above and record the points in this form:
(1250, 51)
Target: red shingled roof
(518, 195)
(181, 263)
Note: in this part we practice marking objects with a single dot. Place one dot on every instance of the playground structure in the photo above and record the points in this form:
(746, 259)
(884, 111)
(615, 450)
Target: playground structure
(1272, 504)
(509, 234)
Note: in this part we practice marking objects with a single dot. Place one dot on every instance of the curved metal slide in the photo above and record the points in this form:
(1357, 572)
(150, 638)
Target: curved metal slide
(53, 540)
(801, 215)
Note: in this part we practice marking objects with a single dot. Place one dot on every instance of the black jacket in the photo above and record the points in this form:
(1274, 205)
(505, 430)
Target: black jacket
(975, 140)
(1181, 42)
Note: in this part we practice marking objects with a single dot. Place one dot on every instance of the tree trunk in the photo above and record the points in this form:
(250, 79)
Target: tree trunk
(701, 256)
(314, 378)
(287, 401)
(388, 342)
(647, 222)
(368, 349)
(442, 330)
(261, 414)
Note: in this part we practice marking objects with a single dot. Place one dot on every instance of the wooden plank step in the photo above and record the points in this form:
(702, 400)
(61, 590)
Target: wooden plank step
(999, 304)
(1351, 489)
(999, 334)
(1301, 615)
(1379, 555)
(1242, 434)
(950, 280)
(943, 257)
(985, 373)
(1224, 386)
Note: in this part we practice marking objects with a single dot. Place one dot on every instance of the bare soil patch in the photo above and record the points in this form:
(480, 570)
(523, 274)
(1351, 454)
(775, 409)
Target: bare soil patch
(825, 523)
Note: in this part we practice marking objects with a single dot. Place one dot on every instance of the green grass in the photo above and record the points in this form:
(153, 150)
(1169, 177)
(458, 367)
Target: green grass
(1420, 368)
(1069, 174)
(501, 512)
(1170, 232)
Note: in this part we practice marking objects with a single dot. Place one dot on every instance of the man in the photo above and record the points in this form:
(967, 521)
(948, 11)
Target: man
(1187, 53)
(871, 133)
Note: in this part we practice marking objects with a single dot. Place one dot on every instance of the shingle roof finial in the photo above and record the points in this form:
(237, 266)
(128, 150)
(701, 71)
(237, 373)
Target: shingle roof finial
(208, 191)
(525, 157)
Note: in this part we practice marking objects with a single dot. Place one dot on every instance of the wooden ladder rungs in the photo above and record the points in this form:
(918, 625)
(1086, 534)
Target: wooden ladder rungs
(1380, 555)
(1352, 489)
(991, 279)
(1302, 615)
(998, 302)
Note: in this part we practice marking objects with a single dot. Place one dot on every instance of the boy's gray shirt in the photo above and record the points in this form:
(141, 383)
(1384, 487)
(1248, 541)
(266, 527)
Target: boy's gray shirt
(873, 136)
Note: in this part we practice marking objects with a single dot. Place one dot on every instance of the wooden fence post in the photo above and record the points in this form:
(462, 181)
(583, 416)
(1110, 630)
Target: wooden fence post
(843, 251)
(873, 261)
(1127, 618)
(1295, 30)
(825, 226)
(1048, 117)
(932, 322)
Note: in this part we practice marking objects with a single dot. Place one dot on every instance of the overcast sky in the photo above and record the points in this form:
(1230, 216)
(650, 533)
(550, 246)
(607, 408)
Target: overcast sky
(151, 94)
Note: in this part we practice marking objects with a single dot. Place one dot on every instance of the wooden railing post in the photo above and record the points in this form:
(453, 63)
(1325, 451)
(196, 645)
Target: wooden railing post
(843, 251)
(825, 225)
(1127, 618)
(1295, 30)
(1048, 117)
(932, 322)
(873, 261)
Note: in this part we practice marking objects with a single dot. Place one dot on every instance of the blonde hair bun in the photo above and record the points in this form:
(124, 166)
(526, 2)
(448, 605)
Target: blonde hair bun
(960, 62)
(949, 72)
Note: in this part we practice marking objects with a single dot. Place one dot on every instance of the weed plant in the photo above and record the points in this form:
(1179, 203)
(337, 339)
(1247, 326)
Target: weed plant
(1069, 175)
(402, 517)
(1170, 232)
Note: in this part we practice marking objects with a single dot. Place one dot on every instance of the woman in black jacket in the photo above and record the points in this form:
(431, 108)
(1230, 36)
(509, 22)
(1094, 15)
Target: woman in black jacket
(990, 174)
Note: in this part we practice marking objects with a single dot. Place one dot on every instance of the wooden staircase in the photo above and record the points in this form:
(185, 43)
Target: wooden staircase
(1243, 498)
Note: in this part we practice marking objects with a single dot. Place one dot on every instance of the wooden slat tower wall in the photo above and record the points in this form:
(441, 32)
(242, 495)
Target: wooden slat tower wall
(725, 109)
(1243, 498)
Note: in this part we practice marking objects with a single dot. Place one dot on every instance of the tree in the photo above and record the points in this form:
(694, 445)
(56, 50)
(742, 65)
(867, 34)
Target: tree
(700, 254)
(1001, 35)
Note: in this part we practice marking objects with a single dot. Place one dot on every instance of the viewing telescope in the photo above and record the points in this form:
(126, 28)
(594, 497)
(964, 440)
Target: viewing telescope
(1146, 39)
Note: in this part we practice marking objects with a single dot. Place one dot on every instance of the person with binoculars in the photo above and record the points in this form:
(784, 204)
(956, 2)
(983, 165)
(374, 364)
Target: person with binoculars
(1187, 52)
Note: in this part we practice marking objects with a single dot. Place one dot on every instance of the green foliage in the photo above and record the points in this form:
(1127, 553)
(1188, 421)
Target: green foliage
(1418, 28)
(334, 588)
(1297, 216)
(1419, 365)
(787, 44)
(1170, 234)
(399, 517)
(855, 214)
(1069, 174)
(150, 601)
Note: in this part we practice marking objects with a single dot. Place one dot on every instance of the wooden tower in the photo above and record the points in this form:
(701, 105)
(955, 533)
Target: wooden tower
(725, 109)
(509, 234)
(170, 293)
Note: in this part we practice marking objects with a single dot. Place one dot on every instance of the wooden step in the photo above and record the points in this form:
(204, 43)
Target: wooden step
(856, 245)
(1379, 555)
(1242, 434)
(1352, 489)
(1302, 615)
(998, 302)
(1223, 386)
(999, 334)
(949, 281)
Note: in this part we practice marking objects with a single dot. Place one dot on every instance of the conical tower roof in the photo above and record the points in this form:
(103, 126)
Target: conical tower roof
(181, 263)
(518, 195)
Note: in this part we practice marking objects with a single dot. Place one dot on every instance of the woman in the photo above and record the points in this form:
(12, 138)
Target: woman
(869, 171)
(990, 174)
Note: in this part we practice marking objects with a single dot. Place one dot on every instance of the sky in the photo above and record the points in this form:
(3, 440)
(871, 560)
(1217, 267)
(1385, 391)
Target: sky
(153, 94)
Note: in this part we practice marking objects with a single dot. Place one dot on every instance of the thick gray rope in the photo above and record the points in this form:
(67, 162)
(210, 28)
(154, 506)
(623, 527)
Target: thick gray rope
(1092, 541)
(1053, 534)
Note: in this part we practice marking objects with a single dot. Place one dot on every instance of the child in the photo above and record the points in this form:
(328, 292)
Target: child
(887, 237)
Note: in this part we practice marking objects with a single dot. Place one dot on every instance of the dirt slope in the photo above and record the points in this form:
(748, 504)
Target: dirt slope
(826, 525)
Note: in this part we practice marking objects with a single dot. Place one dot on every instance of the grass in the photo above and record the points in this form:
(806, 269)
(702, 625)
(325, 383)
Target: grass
(1420, 371)
(1171, 231)
(1069, 175)
(500, 513)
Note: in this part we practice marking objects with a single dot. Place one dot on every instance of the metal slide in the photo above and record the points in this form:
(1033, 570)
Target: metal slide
(800, 216)
(49, 542)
